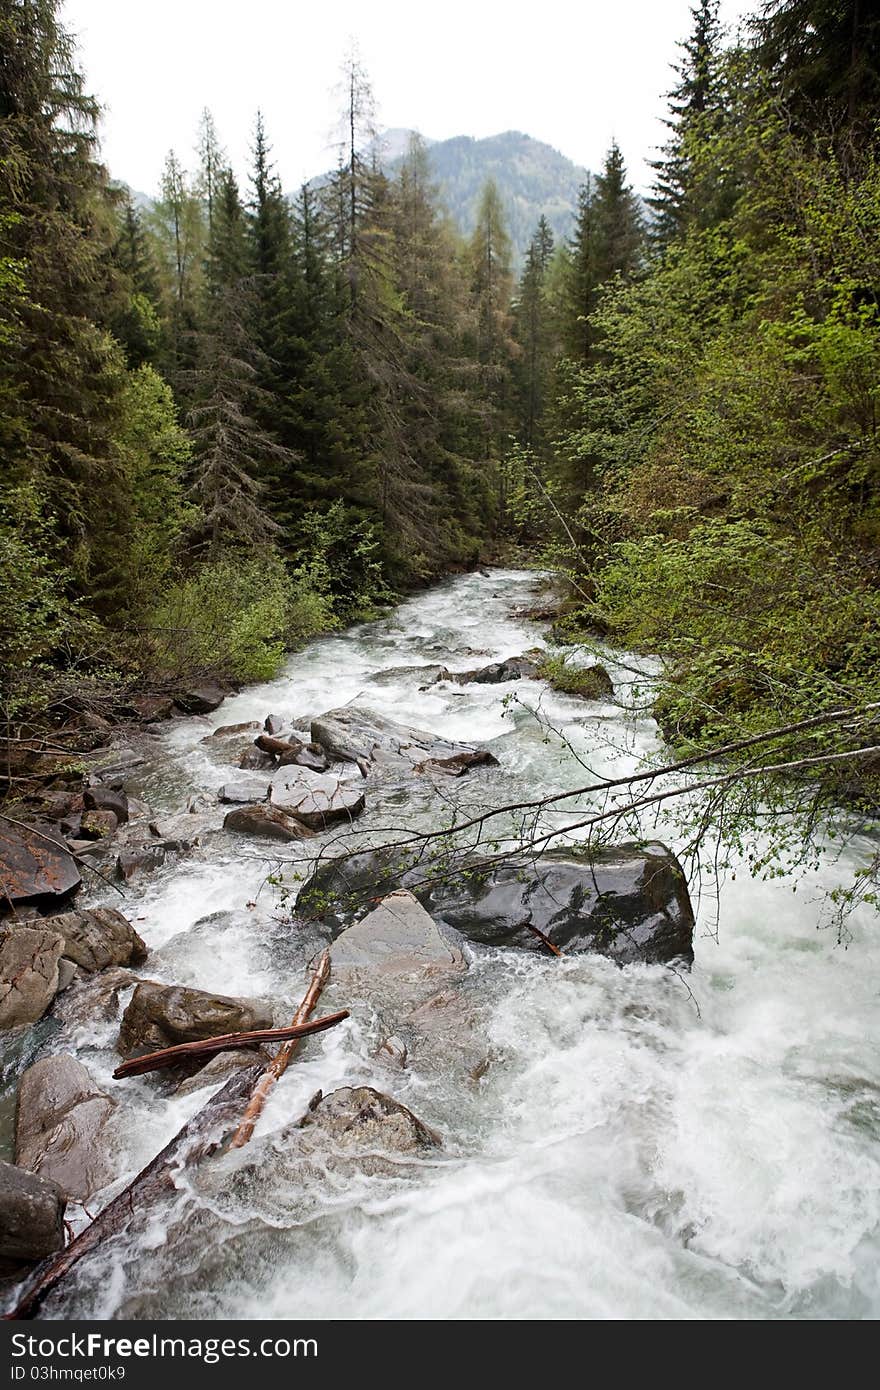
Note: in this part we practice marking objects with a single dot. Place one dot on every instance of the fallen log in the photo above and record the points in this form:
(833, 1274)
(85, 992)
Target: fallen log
(200, 1137)
(536, 931)
(225, 1042)
(280, 1062)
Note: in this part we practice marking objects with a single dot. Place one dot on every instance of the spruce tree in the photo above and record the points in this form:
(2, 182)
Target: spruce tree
(695, 105)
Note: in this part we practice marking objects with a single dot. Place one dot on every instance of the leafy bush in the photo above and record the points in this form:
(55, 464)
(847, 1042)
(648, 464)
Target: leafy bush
(236, 617)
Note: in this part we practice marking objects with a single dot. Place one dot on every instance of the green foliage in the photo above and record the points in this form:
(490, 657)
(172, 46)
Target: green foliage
(235, 616)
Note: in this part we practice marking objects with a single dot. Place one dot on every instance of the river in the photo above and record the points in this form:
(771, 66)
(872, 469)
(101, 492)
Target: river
(640, 1147)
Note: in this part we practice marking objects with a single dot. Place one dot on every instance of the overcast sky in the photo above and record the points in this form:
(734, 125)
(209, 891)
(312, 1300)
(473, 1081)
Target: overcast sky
(575, 73)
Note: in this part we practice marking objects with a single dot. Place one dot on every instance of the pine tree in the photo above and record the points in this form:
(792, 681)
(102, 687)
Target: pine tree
(179, 238)
(695, 105)
(212, 164)
(489, 255)
(60, 389)
(581, 277)
(532, 332)
(618, 218)
(135, 320)
(234, 458)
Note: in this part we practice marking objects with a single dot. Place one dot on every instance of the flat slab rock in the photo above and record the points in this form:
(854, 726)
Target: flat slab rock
(629, 902)
(316, 799)
(60, 1126)
(29, 973)
(161, 1015)
(35, 865)
(397, 954)
(31, 1217)
(372, 741)
(97, 938)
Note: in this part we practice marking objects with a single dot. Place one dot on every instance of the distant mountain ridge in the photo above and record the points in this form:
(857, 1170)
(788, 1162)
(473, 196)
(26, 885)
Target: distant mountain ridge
(533, 179)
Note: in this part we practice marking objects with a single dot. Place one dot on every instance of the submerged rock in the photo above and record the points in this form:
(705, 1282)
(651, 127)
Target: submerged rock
(29, 976)
(357, 1126)
(629, 902)
(35, 866)
(220, 1068)
(31, 1217)
(161, 1015)
(372, 741)
(93, 999)
(60, 1126)
(98, 937)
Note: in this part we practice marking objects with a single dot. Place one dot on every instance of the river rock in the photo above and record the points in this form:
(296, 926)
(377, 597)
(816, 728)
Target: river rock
(220, 1068)
(202, 699)
(255, 760)
(372, 741)
(514, 668)
(267, 823)
(115, 767)
(97, 825)
(152, 708)
(362, 1123)
(93, 998)
(60, 1126)
(244, 791)
(396, 954)
(140, 859)
(31, 1217)
(107, 799)
(629, 902)
(315, 800)
(227, 731)
(29, 959)
(273, 724)
(162, 1015)
(425, 675)
(98, 937)
(35, 866)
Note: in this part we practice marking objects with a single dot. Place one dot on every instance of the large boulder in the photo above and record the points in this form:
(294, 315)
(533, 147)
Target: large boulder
(629, 902)
(29, 975)
(314, 799)
(396, 954)
(35, 866)
(266, 823)
(202, 699)
(161, 1015)
(372, 741)
(31, 1217)
(60, 1126)
(98, 937)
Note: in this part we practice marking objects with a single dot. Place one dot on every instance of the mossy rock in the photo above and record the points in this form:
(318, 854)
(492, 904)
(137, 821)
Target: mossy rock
(589, 682)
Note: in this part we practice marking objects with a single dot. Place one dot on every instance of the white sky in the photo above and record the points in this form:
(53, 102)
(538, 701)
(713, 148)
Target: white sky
(574, 73)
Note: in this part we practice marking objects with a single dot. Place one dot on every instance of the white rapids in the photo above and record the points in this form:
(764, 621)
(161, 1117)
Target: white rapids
(641, 1147)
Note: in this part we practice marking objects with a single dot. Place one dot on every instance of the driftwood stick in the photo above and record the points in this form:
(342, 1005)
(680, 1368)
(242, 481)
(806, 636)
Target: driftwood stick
(209, 1047)
(279, 1064)
(200, 1137)
(546, 940)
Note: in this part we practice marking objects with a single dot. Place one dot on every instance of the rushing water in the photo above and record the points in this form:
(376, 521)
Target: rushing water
(638, 1148)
